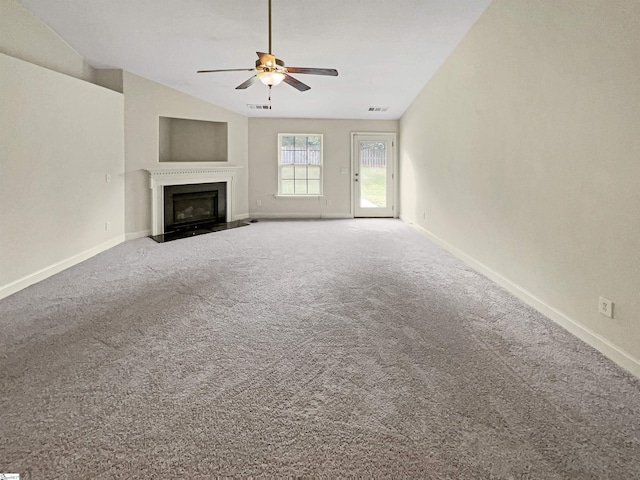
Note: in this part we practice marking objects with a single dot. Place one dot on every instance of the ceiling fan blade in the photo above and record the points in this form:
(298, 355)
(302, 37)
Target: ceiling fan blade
(314, 71)
(248, 83)
(229, 70)
(266, 59)
(296, 83)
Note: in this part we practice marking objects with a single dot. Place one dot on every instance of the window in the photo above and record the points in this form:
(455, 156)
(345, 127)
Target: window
(299, 164)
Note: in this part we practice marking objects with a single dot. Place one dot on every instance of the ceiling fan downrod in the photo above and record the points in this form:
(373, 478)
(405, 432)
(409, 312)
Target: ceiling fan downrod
(270, 50)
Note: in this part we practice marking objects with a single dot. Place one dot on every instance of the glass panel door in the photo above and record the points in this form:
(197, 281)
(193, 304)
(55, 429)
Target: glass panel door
(373, 175)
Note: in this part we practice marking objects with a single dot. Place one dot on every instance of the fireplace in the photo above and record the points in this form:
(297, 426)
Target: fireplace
(193, 206)
(193, 176)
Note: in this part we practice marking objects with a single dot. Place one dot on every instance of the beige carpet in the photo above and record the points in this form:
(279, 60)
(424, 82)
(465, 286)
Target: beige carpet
(301, 348)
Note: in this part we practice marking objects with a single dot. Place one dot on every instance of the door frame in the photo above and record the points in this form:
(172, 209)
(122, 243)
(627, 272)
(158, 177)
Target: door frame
(394, 180)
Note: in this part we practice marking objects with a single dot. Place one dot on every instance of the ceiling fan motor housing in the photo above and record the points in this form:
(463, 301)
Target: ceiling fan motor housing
(279, 66)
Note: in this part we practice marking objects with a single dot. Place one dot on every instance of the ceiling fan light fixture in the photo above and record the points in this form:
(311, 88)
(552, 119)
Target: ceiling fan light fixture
(271, 78)
(271, 70)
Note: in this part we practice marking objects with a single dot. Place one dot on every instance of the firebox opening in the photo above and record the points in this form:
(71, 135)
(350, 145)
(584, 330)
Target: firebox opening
(189, 207)
(193, 207)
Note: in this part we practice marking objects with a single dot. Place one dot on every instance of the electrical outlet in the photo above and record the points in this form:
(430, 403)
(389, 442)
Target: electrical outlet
(259, 203)
(328, 203)
(107, 226)
(605, 307)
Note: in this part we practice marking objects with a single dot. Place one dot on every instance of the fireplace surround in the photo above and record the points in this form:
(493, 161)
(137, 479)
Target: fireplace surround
(161, 178)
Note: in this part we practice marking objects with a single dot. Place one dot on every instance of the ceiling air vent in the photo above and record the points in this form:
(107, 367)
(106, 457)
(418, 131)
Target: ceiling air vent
(251, 106)
(378, 109)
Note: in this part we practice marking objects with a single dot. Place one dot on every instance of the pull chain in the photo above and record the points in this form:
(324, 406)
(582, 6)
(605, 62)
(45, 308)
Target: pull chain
(270, 97)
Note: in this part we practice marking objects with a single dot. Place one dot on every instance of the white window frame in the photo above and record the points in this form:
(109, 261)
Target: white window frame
(280, 165)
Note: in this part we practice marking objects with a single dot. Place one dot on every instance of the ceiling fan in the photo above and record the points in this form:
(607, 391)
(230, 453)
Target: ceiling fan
(272, 71)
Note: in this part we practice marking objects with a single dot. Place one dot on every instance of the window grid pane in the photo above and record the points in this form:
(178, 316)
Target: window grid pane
(288, 187)
(287, 172)
(300, 156)
(301, 172)
(313, 187)
(301, 187)
(300, 164)
(313, 172)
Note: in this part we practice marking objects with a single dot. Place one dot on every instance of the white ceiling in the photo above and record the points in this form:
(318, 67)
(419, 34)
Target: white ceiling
(384, 50)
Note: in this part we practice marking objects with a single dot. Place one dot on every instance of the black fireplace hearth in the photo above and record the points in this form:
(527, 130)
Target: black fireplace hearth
(168, 237)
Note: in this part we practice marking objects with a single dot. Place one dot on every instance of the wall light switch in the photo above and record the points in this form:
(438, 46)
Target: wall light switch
(344, 170)
(259, 203)
(107, 177)
(107, 226)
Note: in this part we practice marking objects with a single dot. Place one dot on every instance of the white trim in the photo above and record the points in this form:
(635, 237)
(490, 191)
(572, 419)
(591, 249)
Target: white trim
(396, 177)
(336, 215)
(395, 171)
(159, 178)
(591, 338)
(277, 195)
(241, 216)
(351, 176)
(194, 166)
(136, 235)
(280, 164)
(302, 216)
(24, 282)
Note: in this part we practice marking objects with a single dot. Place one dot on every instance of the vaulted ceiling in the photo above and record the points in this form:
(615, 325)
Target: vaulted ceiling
(385, 50)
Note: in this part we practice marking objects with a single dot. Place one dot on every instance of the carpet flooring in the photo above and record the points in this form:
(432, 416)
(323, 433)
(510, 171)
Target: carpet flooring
(301, 348)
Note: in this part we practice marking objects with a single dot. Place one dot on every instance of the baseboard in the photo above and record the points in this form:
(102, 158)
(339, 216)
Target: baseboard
(241, 216)
(47, 272)
(285, 215)
(301, 216)
(591, 338)
(134, 235)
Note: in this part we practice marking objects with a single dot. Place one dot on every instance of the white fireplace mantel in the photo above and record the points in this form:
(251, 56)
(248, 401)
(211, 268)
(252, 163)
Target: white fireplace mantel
(184, 176)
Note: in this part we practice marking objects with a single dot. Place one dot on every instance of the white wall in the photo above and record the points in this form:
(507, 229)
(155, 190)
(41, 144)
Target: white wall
(24, 36)
(59, 137)
(263, 165)
(522, 155)
(145, 102)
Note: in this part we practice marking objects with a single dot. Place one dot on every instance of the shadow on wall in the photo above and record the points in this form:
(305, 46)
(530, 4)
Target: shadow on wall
(408, 189)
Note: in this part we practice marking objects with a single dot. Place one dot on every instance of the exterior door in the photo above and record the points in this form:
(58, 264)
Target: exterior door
(373, 175)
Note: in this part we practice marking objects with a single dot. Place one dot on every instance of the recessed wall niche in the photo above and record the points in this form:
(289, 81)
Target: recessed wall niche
(186, 140)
